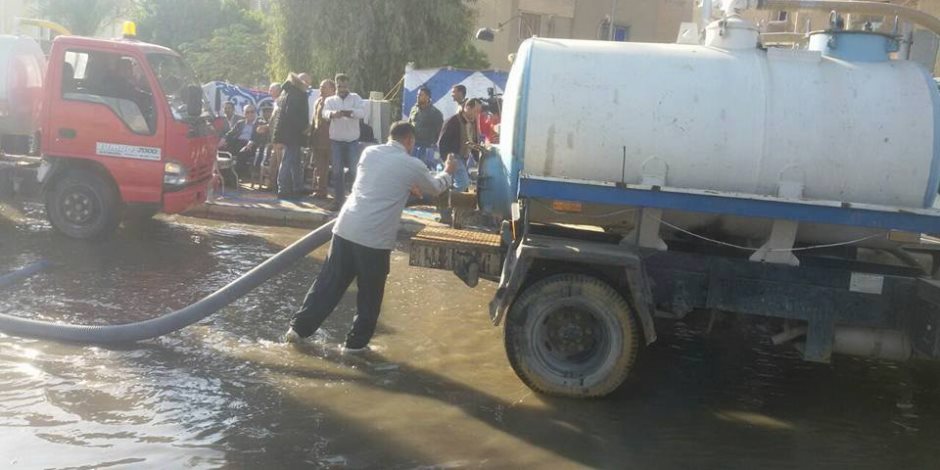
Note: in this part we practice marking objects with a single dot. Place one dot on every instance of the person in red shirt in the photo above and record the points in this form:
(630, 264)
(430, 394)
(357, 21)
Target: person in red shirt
(489, 121)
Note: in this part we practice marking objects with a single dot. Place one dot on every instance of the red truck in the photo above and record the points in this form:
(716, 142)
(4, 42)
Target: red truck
(123, 129)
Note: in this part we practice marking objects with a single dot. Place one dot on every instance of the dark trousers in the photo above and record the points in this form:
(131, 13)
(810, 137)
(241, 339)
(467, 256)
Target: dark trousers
(346, 260)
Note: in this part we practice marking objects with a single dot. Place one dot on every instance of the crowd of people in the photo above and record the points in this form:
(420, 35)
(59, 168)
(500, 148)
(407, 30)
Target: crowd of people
(288, 137)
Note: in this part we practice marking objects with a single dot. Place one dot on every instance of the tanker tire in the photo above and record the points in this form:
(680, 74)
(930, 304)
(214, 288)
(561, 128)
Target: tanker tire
(84, 205)
(571, 304)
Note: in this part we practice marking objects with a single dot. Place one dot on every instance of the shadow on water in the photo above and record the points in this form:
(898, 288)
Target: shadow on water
(436, 393)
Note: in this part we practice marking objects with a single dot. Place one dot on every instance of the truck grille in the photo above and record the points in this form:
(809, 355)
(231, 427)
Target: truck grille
(201, 171)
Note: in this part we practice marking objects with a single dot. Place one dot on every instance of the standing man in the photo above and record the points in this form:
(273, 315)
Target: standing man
(459, 94)
(459, 137)
(364, 235)
(290, 122)
(344, 110)
(274, 161)
(320, 141)
(428, 121)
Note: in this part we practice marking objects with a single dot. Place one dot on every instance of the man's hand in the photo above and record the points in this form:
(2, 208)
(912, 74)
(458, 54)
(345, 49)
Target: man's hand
(416, 191)
(450, 166)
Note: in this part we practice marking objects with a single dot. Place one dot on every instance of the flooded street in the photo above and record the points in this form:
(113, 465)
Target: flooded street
(436, 391)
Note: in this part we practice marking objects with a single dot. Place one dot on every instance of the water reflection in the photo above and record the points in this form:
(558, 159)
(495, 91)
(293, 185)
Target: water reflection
(436, 393)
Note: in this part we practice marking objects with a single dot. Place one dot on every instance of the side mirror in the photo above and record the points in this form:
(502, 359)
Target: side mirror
(192, 96)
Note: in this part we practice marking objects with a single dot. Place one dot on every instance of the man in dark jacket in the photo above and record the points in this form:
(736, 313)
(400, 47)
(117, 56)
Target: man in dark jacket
(460, 138)
(290, 122)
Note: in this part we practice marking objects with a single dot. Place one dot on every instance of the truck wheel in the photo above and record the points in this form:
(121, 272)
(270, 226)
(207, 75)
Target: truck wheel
(84, 205)
(571, 335)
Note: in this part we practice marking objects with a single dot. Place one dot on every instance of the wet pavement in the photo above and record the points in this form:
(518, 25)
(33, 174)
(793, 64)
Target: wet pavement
(437, 391)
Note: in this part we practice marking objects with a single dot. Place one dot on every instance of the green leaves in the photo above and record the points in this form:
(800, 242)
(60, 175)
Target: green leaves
(371, 40)
(82, 17)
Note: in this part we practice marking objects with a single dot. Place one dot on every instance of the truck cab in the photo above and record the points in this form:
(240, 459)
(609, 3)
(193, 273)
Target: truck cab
(124, 131)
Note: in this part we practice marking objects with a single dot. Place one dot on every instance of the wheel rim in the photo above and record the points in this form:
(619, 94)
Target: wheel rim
(571, 340)
(79, 206)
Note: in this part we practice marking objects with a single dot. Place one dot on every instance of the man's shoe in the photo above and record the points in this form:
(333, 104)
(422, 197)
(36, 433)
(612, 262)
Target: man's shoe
(350, 350)
(292, 337)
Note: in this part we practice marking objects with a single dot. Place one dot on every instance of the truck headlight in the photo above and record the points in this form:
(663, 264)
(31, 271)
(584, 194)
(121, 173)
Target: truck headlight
(174, 174)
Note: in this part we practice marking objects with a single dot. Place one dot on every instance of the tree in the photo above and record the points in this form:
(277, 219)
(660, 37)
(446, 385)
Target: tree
(82, 17)
(221, 39)
(235, 54)
(172, 23)
(371, 40)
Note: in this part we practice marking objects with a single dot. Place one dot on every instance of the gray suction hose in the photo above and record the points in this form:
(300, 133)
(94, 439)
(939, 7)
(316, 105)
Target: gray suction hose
(22, 273)
(131, 332)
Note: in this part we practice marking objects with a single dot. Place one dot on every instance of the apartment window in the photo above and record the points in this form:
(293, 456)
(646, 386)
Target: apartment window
(621, 33)
(530, 24)
(782, 16)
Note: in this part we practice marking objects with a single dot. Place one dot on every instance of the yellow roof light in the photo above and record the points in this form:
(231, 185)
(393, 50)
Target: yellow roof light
(129, 30)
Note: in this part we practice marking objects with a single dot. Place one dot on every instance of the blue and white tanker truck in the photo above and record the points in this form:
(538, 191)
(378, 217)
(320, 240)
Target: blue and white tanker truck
(643, 182)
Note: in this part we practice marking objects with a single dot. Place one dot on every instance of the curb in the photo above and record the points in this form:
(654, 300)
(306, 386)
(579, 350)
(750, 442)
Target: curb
(280, 217)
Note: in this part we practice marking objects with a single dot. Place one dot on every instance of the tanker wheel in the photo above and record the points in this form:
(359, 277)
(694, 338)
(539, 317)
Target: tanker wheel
(84, 205)
(571, 335)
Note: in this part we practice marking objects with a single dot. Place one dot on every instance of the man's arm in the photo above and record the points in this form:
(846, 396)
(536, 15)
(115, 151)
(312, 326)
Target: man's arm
(358, 108)
(329, 107)
(449, 142)
(438, 123)
(428, 183)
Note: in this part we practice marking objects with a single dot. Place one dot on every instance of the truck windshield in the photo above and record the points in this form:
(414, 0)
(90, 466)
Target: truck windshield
(174, 76)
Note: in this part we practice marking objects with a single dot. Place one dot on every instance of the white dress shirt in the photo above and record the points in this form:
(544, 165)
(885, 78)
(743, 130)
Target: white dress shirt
(344, 129)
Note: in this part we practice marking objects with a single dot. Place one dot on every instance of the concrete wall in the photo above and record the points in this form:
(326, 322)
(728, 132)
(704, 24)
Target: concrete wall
(647, 20)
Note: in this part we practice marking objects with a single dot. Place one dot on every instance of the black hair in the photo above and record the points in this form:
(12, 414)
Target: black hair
(462, 89)
(401, 130)
(426, 90)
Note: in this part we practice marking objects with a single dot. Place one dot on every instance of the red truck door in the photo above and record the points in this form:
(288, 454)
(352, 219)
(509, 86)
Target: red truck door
(100, 106)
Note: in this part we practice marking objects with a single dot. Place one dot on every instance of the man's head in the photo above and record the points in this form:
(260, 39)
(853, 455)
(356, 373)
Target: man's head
(266, 112)
(250, 112)
(125, 68)
(458, 93)
(472, 108)
(274, 90)
(342, 84)
(327, 88)
(228, 109)
(403, 133)
(306, 78)
(424, 96)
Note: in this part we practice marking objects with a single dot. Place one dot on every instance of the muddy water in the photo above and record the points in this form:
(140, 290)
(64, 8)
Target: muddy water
(437, 391)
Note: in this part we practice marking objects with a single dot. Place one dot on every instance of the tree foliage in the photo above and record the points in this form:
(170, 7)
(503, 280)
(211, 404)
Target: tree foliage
(82, 17)
(235, 53)
(221, 39)
(371, 40)
(172, 23)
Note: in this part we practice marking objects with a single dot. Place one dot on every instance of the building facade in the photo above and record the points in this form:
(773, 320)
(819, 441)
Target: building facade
(642, 21)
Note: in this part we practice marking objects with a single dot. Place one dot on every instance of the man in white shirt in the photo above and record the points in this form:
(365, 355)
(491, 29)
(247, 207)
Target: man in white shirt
(344, 110)
(365, 233)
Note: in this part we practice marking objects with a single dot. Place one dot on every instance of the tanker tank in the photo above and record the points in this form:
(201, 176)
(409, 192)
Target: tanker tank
(840, 123)
(22, 66)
